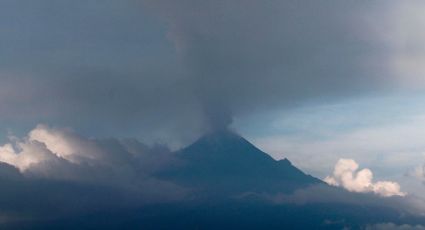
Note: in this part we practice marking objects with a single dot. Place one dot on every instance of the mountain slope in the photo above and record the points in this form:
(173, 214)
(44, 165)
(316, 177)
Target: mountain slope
(224, 163)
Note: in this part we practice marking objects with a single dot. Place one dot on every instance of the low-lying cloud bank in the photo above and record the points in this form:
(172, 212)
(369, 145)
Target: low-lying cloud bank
(392, 226)
(347, 175)
(60, 155)
(56, 173)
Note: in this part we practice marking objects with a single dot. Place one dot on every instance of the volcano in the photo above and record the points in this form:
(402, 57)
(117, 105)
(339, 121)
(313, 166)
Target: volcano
(224, 163)
(232, 185)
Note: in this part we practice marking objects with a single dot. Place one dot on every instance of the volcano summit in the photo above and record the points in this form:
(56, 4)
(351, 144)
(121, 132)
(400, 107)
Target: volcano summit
(225, 163)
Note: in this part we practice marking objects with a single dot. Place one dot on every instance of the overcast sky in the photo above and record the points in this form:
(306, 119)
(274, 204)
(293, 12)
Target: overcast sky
(314, 81)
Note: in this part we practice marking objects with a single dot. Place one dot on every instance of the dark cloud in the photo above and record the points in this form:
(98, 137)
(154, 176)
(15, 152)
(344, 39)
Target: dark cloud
(174, 69)
(326, 195)
(251, 55)
(103, 60)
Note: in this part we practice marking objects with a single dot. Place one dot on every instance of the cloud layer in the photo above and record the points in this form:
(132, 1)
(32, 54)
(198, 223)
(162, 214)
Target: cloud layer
(162, 69)
(60, 154)
(347, 175)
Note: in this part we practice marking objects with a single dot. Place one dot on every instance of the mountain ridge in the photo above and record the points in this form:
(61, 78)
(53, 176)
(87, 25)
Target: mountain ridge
(225, 163)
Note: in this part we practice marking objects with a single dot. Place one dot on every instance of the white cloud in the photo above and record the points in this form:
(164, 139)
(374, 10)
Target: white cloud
(347, 175)
(24, 154)
(44, 144)
(65, 144)
(62, 154)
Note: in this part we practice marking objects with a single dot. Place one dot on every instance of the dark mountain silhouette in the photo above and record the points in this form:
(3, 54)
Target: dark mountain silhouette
(224, 163)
